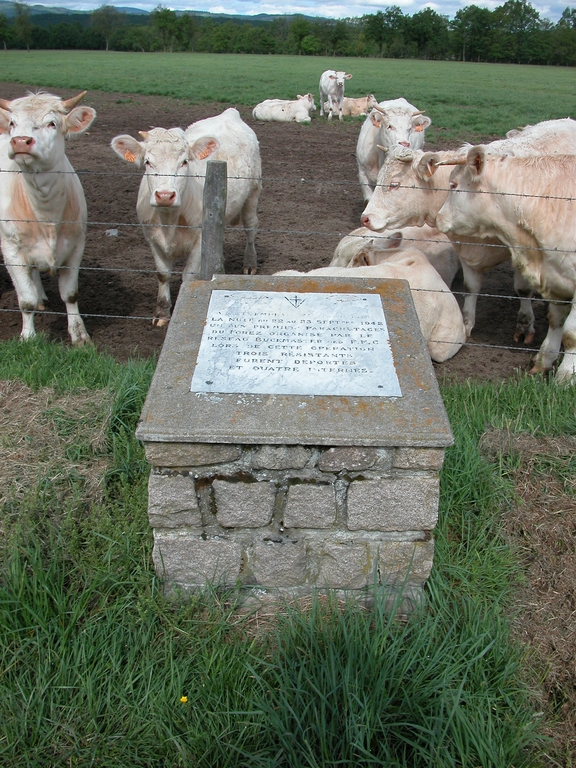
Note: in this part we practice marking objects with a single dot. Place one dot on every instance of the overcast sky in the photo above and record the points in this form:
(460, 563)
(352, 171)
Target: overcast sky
(328, 8)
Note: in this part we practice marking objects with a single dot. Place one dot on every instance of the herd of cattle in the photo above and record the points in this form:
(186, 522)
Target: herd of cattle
(427, 214)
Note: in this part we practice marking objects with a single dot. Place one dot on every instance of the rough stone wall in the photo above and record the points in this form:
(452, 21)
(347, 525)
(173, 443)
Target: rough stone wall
(293, 518)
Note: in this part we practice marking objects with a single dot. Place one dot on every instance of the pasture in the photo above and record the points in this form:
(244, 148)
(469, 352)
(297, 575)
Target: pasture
(98, 669)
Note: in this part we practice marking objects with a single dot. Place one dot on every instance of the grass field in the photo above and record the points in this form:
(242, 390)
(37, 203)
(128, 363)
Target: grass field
(461, 98)
(99, 669)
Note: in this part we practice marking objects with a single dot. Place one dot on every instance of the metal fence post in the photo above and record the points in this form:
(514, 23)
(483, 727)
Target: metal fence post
(214, 207)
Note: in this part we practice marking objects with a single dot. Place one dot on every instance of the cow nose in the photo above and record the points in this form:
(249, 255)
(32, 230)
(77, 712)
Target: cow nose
(165, 197)
(21, 144)
(365, 220)
(404, 143)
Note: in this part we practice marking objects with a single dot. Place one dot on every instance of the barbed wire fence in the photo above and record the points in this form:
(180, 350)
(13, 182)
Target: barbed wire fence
(112, 228)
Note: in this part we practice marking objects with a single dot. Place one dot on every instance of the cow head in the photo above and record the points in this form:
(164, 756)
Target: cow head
(170, 161)
(308, 100)
(338, 79)
(397, 125)
(460, 209)
(407, 193)
(38, 124)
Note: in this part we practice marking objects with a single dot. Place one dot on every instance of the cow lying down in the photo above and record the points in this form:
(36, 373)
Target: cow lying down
(364, 248)
(284, 111)
(438, 311)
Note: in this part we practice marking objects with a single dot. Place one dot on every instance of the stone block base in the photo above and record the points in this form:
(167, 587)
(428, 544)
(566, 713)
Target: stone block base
(293, 519)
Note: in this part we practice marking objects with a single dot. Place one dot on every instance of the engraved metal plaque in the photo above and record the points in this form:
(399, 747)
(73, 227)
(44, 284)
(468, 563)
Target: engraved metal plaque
(260, 342)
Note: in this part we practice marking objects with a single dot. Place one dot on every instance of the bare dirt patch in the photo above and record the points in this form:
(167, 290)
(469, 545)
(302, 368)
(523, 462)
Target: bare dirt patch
(310, 199)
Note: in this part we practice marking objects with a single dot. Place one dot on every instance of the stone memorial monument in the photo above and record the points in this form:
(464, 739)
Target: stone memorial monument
(295, 433)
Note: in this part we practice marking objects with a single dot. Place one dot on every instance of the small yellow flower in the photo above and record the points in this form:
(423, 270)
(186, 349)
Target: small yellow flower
(183, 699)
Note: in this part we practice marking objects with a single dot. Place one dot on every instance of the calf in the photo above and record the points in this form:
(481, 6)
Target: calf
(363, 247)
(437, 309)
(391, 122)
(42, 206)
(355, 107)
(171, 191)
(283, 111)
(529, 204)
(332, 89)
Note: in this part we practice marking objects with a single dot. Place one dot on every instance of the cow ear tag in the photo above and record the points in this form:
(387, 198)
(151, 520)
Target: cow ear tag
(129, 157)
(203, 155)
(419, 129)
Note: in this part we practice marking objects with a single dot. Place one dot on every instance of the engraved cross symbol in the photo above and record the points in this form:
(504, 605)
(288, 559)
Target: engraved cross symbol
(296, 301)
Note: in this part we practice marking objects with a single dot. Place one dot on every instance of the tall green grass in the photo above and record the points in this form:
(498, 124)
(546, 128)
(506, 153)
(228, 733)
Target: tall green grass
(98, 668)
(461, 98)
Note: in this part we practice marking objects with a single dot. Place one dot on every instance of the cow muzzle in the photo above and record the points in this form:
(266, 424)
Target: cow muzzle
(165, 198)
(21, 145)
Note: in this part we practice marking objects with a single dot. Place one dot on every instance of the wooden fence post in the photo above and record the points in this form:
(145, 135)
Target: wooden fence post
(214, 207)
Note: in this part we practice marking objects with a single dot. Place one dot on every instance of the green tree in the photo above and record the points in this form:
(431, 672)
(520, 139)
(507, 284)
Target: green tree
(299, 29)
(471, 32)
(164, 22)
(22, 24)
(384, 28)
(5, 31)
(564, 39)
(516, 25)
(186, 29)
(106, 19)
(429, 30)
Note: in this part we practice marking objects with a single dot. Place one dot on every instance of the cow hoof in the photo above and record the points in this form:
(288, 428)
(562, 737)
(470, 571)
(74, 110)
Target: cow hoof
(162, 321)
(40, 307)
(82, 341)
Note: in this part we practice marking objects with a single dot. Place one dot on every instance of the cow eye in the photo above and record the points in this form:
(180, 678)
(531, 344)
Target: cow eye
(51, 124)
(184, 162)
(394, 184)
(390, 127)
(453, 185)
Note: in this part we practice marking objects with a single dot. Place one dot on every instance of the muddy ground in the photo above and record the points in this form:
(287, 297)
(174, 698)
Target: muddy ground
(310, 199)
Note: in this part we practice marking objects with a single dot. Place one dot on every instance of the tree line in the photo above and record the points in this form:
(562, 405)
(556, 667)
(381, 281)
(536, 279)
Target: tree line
(512, 33)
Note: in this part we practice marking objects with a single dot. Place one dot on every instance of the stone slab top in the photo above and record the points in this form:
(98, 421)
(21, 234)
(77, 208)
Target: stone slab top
(175, 414)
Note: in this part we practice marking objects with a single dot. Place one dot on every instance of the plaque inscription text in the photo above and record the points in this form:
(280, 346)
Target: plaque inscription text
(262, 342)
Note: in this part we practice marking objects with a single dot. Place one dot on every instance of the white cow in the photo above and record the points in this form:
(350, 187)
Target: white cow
(171, 191)
(332, 84)
(355, 107)
(392, 122)
(42, 206)
(284, 111)
(437, 309)
(412, 187)
(529, 204)
(363, 247)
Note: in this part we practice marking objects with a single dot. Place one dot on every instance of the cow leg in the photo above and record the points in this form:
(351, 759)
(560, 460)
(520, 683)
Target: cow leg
(330, 106)
(39, 289)
(250, 223)
(525, 323)
(26, 291)
(473, 284)
(567, 368)
(164, 266)
(550, 347)
(322, 97)
(340, 116)
(68, 287)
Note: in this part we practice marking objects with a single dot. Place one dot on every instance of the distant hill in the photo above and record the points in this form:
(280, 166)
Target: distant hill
(56, 15)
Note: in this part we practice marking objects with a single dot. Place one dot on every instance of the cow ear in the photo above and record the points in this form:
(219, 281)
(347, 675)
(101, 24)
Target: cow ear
(4, 120)
(361, 259)
(376, 119)
(394, 241)
(128, 149)
(421, 122)
(78, 120)
(204, 147)
(427, 165)
(476, 161)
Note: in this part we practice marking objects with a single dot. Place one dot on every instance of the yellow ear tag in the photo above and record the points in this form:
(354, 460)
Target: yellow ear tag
(129, 156)
(204, 155)
(418, 129)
